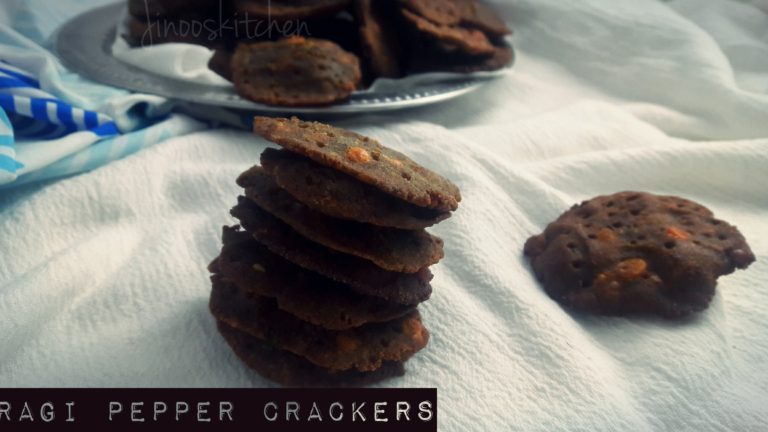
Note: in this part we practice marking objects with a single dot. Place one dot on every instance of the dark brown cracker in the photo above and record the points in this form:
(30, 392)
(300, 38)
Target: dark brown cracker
(340, 195)
(406, 251)
(364, 159)
(378, 34)
(361, 275)
(291, 370)
(455, 39)
(363, 348)
(304, 294)
(340, 30)
(466, 13)
(502, 56)
(433, 57)
(443, 12)
(485, 18)
(635, 252)
(294, 72)
(282, 10)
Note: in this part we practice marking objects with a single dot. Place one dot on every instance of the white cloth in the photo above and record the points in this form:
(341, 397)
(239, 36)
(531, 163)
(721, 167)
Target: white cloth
(103, 279)
(174, 60)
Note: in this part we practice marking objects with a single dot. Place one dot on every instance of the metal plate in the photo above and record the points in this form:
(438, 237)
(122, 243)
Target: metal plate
(84, 45)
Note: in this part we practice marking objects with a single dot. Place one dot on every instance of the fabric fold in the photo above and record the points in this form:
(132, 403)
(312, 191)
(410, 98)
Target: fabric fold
(45, 132)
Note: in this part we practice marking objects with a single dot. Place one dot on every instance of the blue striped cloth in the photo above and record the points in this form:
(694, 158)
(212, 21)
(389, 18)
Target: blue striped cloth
(8, 163)
(38, 114)
(54, 123)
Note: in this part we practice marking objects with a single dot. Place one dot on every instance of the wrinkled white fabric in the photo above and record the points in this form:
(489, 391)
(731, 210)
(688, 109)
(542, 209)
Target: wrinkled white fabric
(103, 279)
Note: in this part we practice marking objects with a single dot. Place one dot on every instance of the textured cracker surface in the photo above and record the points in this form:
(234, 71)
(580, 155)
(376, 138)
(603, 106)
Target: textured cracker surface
(460, 39)
(635, 252)
(384, 168)
(291, 370)
(341, 196)
(294, 72)
(308, 296)
(466, 13)
(406, 251)
(363, 348)
(361, 275)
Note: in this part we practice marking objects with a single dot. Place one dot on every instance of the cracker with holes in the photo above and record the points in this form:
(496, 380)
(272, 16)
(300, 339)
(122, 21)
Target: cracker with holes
(362, 158)
(295, 71)
(636, 253)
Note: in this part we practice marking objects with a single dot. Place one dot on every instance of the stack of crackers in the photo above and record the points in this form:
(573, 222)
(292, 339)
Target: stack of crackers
(307, 53)
(319, 285)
